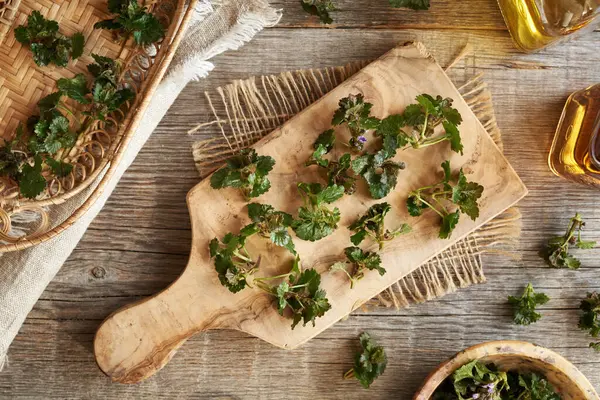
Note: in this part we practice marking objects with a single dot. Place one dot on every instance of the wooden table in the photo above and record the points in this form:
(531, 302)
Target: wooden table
(140, 241)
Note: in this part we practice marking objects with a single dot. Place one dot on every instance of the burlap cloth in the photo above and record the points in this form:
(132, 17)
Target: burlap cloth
(217, 26)
(246, 110)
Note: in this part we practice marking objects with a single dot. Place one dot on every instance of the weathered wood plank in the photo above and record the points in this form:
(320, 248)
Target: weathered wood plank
(378, 14)
(529, 91)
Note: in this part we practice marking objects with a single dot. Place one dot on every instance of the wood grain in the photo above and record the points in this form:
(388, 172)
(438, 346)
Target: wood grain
(135, 342)
(139, 243)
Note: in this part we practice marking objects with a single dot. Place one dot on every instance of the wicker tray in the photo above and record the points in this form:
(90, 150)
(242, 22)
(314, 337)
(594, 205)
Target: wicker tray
(98, 149)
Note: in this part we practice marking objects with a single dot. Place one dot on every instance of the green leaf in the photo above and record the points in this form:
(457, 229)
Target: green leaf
(358, 237)
(31, 181)
(59, 125)
(22, 35)
(247, 171)
(77, 44)
(46, 43)
(75, 88)
(466, 194)
(590, 317)
(368, 364)
(556, 253)
(59, 168)
(355, 113)
(133, 19)
(325, 139)
(49, 102)
(319, 8)
(380, 174)
(232, 262)
(524, 306)
(316, 223)
(581, 244)
(449, 222)
(317, 157)
(447, 171)
(535, 387)
(453, 135)
(330, 194)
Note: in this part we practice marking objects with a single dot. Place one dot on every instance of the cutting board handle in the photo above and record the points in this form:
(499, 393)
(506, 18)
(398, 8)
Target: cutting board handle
(138, 340)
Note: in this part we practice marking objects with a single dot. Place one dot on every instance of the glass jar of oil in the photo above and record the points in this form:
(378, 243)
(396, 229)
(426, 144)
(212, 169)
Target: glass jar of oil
(575, 152)
(534, 24)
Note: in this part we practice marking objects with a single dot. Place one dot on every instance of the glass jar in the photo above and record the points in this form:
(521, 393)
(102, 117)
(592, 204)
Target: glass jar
(575, 151)
(534, 24)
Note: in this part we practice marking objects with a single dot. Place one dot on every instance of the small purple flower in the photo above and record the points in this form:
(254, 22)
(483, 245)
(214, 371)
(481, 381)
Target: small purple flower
(490, 387)
(475, 396)
(362, 139)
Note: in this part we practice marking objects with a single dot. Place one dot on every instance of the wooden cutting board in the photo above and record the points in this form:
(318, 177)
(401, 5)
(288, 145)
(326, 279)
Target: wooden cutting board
(135, 342)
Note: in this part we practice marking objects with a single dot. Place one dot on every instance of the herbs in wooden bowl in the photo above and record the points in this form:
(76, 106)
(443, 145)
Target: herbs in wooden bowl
(506, 370)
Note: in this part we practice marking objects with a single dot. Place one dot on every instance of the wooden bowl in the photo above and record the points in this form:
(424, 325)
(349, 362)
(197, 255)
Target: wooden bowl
(516, 356)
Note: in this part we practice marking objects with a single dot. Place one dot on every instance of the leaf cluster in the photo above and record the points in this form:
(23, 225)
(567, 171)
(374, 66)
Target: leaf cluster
(590, 317)
(316, 221)
(300, 294)
(232, 261)
(369, 364)
(337, 172)
(356, 114)
(477, 380)
(556, 252)
(22, 158)
(422, 119)
(380, 173)
(359, 262)
(247, 171)
(132, 19)
(441, 196)
(46, 43)
(524, 307)
(412, 4)
(372, 224)
(272, 224)
(107, 93)
(320, 8)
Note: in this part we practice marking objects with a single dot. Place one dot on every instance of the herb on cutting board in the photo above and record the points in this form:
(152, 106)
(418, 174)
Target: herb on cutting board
(247, 171)
(272, 224)
(320, 8)
(233, 262)
(369, 364)
(301, 294)
(359, 261)
(556, 252)
(423, 118)
(441, 196)
(372, 224)
(380, 173)
(337, 172)
(524, 307)
(477, 380)
(590, 317)
(315, 221)
(356, 114)
(47, 45)
(132, 19)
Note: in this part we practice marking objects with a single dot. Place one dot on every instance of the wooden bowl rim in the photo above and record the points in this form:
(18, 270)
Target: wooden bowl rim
(516, 347)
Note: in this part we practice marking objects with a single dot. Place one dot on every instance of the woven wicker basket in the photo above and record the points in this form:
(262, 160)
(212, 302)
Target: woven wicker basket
(100, 147)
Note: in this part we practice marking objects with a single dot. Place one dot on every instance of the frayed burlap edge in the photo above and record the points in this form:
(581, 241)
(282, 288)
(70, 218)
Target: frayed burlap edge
(246, 110)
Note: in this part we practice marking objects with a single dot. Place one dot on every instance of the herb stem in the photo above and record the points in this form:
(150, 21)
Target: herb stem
(431, 206)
